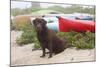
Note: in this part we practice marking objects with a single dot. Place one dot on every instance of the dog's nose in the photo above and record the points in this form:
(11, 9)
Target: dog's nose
(38, 26)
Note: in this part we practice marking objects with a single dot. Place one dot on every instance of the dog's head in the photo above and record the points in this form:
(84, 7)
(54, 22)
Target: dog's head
(39, 23)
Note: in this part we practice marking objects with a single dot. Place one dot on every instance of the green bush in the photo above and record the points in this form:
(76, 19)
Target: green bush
(26, 37)
(79, 40)
(75, 39)
(29, 35)
(68, 36)
(36, 43)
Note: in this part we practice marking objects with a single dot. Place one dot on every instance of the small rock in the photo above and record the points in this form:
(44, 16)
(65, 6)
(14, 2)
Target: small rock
(72, 59)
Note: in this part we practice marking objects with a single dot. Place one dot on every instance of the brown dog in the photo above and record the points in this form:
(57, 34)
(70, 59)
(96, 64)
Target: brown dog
(47, 38)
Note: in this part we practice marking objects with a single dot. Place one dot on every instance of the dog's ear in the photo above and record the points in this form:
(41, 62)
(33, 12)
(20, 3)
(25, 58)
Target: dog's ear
(44, 21)
(33, 22)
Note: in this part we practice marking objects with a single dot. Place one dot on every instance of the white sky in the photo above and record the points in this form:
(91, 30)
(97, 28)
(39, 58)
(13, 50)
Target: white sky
(85, 2)
(18, 4)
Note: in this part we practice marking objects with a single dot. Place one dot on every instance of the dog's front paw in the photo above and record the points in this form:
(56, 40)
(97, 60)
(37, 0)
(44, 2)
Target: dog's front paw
(50, 57)
(42, 56)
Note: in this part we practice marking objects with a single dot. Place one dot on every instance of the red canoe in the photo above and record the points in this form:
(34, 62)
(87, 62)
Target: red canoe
(67, 25)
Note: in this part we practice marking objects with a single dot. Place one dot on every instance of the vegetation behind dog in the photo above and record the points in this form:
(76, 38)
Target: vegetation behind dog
(79, 40)
(75, 39)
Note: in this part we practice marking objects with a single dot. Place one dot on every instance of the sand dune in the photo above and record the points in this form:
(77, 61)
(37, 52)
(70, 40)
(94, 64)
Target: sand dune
(23, 55)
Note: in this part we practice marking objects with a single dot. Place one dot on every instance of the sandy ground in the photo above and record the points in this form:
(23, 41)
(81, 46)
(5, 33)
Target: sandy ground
(23, 55)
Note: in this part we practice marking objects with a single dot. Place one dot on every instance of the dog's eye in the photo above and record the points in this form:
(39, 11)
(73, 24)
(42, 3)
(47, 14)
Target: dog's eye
(38, 22)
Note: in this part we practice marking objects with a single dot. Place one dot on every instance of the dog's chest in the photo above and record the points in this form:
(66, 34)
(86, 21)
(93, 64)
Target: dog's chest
(43, 37)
